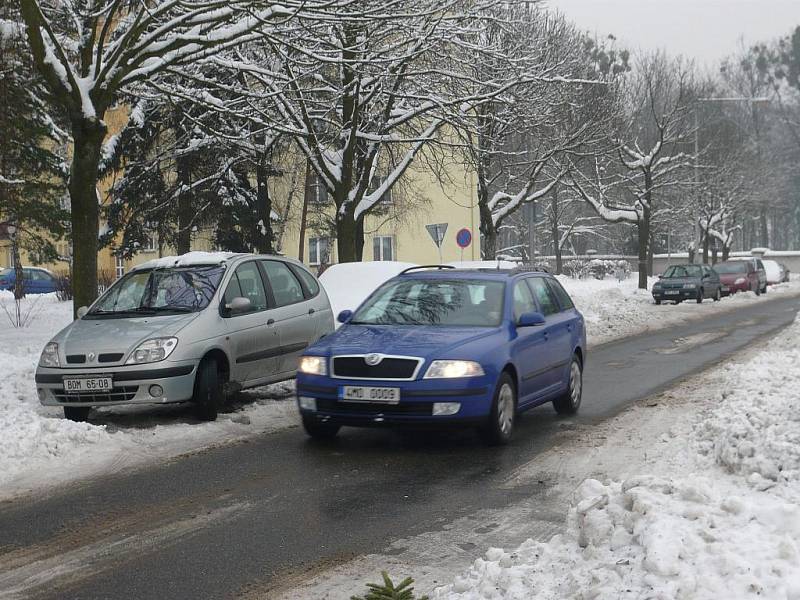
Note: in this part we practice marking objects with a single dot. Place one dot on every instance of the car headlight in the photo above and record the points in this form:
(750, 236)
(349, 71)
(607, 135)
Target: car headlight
(450, 369)
(152, 351)
(689, 286)
(49, 357)
(313, 365)
(739, 281)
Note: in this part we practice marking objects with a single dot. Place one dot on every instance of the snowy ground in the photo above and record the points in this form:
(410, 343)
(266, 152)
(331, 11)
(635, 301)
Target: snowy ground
(717, 518)
(38, 448)
(692, 494)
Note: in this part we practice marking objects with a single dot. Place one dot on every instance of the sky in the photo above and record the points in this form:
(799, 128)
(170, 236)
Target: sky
(706, 30)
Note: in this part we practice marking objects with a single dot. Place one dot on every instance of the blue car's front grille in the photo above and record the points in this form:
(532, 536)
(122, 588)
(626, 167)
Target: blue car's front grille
(388, 368)
(421, 409)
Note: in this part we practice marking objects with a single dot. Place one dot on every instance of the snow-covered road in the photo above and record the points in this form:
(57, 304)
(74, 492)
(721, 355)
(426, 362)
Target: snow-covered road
(38, 448)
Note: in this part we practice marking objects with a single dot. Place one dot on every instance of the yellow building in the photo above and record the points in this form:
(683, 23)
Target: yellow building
(397, 232)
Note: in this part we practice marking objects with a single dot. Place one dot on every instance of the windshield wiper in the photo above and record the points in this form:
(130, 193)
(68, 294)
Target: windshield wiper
(183, 309)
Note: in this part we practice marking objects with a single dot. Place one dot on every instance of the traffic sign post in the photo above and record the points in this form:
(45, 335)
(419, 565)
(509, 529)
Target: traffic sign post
(463, 239)
(437, 231)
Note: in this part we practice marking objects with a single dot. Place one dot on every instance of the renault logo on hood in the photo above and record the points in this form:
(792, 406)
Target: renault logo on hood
(373, 359)
(91, 356)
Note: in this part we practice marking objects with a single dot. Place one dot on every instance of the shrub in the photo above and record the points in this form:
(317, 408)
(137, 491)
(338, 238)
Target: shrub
(388, 591)
(63, 287)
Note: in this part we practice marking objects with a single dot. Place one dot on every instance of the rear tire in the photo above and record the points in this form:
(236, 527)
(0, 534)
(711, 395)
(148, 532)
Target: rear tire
(499, 429)
(700, 296)
(757, 290)
(658, 302)
(319, 430)
(79, 414)
(208, 393)
(764, 291)
(718, 295)
(570, 402)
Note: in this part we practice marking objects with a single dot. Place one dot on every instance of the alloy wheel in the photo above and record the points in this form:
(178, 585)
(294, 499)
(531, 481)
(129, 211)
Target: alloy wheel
(505, 409)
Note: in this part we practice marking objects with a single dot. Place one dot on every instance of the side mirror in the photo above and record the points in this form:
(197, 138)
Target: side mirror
(344, 316)
(531, 319)
(239, 305)
(82, 311)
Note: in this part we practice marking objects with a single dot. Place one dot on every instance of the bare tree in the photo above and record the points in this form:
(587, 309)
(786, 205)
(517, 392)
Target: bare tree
(89, 51)
(652, 150)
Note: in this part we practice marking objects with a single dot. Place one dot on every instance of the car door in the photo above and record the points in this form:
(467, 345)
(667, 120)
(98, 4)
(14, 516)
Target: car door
(294, 315)
(318, 301)
(30, 283)
(529, 348)
(252, 336)
(557, 329)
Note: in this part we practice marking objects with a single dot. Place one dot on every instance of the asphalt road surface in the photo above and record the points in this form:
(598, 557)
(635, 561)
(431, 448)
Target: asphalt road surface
(226, 521)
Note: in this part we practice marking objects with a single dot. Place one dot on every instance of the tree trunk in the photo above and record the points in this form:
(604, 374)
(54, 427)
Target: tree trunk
(360, 239)
(643, 227)
(714, 254)
(488, 232)
(346, 230)
(554, 230)
(183, 237)
(705, 247)
(19, 274)
(307, 191)
(764, 228)
(88, 136)
(726, 252)
(264, 209)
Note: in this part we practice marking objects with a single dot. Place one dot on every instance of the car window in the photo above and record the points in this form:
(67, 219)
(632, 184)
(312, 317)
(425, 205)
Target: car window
(285, 287)
(545, 298)
(561, 294)
(523, 300)
(760, 264)
(308, 280)
(246, 283)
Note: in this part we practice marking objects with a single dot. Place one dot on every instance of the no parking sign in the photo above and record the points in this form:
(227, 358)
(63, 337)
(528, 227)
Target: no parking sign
(463, 238)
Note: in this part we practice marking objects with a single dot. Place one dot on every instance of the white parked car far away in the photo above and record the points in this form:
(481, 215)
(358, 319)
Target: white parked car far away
(774, 271)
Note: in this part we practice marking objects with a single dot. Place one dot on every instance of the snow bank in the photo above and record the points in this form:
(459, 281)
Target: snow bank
(349, 284)
(39, 448)
(729, 530)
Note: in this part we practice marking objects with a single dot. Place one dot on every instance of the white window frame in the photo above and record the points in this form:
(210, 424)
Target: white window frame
(119, 266)
(314, 258)
(319, 193)
(392, 245)
(151, 243)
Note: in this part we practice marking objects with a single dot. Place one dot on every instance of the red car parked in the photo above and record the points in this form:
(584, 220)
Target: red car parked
(738, 276)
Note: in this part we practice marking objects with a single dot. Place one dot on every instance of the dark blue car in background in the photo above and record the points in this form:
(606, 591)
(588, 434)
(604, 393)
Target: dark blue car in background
(447, 346)
(36, 280)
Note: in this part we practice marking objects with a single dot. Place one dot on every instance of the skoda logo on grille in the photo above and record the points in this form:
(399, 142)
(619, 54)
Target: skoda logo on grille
(91, 356)
(373, 359)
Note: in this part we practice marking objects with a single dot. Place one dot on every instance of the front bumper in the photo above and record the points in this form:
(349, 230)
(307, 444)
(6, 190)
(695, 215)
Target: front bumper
(679, 294)
(417, 399)
(131, 385)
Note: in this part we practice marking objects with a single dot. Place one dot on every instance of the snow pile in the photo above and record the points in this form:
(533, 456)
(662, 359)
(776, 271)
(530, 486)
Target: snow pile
(188, 259)
(757, 434)
(730, 529)
(39, 447)
(349, 284)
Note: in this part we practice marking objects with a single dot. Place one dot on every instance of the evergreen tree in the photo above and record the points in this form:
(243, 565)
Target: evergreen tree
(32, 174)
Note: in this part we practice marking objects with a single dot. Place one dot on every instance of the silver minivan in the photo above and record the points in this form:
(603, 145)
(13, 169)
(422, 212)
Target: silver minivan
(192, 327)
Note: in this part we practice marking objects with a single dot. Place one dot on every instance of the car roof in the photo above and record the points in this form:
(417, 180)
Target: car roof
(479, 273)
(197, 259)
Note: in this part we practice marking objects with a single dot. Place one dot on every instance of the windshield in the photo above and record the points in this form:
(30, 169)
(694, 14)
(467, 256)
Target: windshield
(459, 302)
(171, 290)
(683, 271)
(732, 267)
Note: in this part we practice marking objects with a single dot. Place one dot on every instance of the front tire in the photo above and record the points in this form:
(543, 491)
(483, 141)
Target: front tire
(570, 402)
(319, 430)
(208, 393)
(79, 414)
(658, 302)
(500, 426)
(700, 296)
(757, 290)
(718, 295)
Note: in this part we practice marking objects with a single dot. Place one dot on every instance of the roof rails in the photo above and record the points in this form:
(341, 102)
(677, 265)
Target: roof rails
(530, 268)
(418, 267)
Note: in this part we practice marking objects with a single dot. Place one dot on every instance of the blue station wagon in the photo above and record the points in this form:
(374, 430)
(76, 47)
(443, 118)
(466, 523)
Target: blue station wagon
(447, 346)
